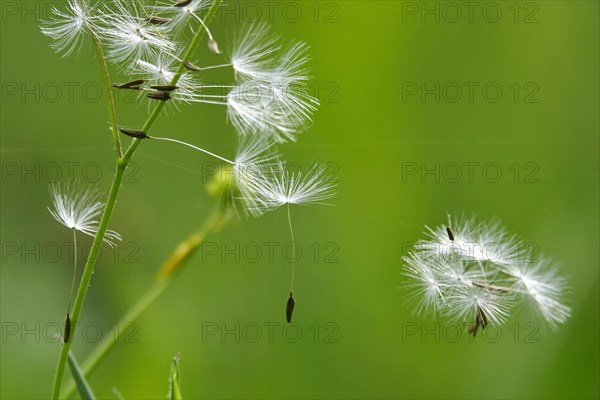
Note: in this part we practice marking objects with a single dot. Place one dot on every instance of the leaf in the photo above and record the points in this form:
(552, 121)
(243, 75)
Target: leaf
(174, 384)
(85, 391)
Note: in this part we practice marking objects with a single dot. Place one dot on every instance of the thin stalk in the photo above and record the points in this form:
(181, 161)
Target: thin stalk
(87, 276)
(164, 278)
(195, 147)
(215, 66)
(293, 248)
(74, 269)
(112, 113)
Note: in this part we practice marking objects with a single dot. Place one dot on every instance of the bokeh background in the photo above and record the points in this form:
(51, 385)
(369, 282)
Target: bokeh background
(369, 58)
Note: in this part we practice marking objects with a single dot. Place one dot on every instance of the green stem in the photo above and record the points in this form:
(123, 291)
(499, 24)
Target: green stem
(186, 57)
(212, 223)
(87, 276)
(112, 113)
(121, 165)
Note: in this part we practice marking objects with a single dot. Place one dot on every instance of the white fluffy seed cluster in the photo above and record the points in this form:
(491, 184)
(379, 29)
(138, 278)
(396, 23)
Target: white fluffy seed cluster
(267, 102)
(477, 272)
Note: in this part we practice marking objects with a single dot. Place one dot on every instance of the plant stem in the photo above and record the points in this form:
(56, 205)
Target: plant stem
(121, 165)
(164, 279)
(87, 275)
(112, 113)
(293, 248)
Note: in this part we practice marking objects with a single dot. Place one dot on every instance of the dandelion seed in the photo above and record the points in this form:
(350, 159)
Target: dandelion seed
(129, 37)
(79, 210)
(259, 109)
(472, 286)
(541, 286)
(253, 49)
(68, 28)
(183, 13)
(282, 186)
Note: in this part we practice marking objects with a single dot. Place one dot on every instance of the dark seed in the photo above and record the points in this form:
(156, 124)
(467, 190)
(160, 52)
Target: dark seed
(67, 329)
(480, 321)
(182, 3)
(450, 233)
(162, 96)
(154, 20)
(134, 134)
(129, 85)
(291, 302)
(164, 88)
(191, 66)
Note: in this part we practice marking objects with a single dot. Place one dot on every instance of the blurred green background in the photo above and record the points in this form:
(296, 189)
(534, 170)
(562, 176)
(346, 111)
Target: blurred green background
(369, 57)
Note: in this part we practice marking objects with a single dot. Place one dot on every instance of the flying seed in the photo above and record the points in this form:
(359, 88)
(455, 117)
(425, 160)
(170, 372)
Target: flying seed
(134, 134)
(191, 66)
(162, 96)
(130, 85)
(182, 3)
(67, 329)
(154, 20)
(450, 233)
(291, 302)
(164, 88)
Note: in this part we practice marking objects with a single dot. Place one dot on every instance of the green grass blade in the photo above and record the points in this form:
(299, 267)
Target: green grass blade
(85, 391)
(174, 384)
